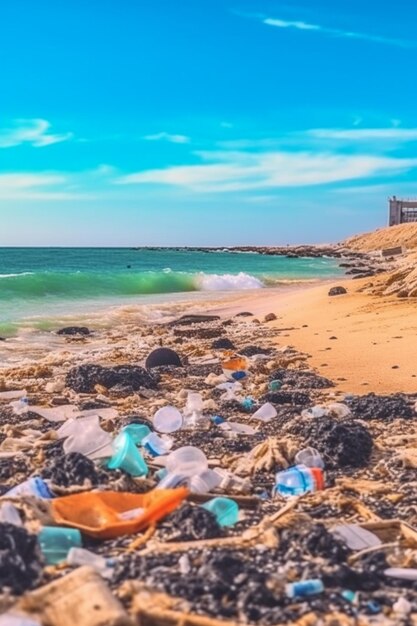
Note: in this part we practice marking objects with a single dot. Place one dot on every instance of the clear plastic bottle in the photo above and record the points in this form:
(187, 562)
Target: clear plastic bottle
(298, 480)
(31, 487)
(80, 556)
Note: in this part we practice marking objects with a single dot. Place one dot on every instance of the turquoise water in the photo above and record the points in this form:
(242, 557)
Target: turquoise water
(37, 283)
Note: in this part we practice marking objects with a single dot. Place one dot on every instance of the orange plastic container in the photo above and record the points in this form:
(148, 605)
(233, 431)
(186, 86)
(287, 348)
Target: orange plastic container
(98, 513)
(236, 364)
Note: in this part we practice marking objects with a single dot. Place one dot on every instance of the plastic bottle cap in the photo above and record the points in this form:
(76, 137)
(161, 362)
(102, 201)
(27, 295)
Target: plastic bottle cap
(318, 477)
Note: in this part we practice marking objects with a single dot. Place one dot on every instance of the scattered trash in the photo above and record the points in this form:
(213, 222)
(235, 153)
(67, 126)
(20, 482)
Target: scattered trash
(127, 457)
(167, 419)
(304, 588)
(310, 457)
(405, 573)
(355, 537)
(157, 445)
(55, 542)
(80, 556)
(32, 487)
(265, 413)
(99, 514)
(225, 510)
(299, 480)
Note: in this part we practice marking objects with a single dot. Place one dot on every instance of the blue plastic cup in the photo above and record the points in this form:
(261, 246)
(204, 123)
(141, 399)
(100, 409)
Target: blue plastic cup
(137, 432)
(225, 510)
(56, 542)
(127, 457)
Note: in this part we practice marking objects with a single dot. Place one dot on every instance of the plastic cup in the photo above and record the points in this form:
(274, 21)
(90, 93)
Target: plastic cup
(187, 461)
(310, 457)
(266, 412)
(127, 457)
(137, 432)
(167, 420)
(225, 510)
(56, 541)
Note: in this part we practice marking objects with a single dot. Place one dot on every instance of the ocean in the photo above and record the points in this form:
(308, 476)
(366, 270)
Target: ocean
(38, 285)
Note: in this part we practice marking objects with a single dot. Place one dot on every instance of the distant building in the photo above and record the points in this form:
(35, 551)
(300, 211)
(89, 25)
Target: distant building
(402, 211)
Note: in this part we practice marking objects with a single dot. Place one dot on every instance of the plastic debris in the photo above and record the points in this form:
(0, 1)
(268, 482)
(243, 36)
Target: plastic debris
(157, 445)
(355, 537)
(98, 513)
(310, 457)
(79, 556)
(298, 480)
(32, 487)
(9, 514)
(405, 573)
(167, 420)
(265, 413)
(304, 588)
(127, 457)
(225, 510)
(55, 542)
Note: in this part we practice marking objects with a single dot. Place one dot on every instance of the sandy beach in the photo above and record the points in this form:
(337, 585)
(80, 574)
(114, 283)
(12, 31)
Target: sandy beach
(334, 373)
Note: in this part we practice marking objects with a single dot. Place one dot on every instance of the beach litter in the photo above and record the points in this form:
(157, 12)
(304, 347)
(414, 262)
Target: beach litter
(231, 485)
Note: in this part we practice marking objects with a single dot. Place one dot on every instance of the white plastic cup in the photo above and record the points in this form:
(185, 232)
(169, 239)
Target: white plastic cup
(310, 457)
(187, 461)
(265, 413)
(167, 419)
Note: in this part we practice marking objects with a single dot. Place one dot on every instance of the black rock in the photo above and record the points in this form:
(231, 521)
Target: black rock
(74, 330)
(287, 397)
(73, 469)
(190, 522)
(343, 444)
(337, 291)
(20, 559)
(244, 314)
(223, 344)
(83, 378)
(301, 379)
(372, 406)
(162, 356)
(252, 350)
(186, 320)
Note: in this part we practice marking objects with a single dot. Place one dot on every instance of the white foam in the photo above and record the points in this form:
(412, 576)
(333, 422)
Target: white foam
(228, 282)
(18, 274)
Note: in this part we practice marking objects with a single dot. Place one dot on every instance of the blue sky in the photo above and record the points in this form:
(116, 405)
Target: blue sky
(203, 122)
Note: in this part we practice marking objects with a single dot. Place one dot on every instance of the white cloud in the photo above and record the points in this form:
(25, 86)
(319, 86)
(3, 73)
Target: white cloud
(363, 134)
(237, 171)
(337, 32)
(168, 137)
(34, 132)
(37, 186)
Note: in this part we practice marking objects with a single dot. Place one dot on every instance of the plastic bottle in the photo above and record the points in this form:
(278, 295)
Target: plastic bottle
(80, 556)
(167, 420)
(21, 406)
(32, 487)
(298, 480)
(225, 510)
(304, 588)
(194, 407)
(310, 457)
